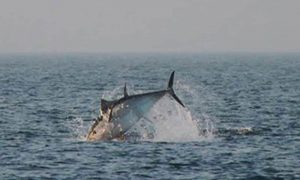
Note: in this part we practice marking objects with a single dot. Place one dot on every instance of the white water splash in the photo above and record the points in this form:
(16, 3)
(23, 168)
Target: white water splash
(197, 98)
(79, 128)
(114, 94)
(172, 122)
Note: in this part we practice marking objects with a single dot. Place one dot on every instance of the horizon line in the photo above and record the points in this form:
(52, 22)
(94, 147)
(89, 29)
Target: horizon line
(145, 52)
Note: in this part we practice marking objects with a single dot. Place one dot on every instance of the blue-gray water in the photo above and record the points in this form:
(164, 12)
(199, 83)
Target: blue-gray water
(250, 101)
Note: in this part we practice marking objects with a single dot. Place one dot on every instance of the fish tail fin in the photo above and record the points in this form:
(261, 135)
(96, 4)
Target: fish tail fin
(171, 90)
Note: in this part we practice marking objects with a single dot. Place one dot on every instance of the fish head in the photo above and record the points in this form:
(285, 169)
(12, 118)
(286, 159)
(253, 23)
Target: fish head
(101, 130)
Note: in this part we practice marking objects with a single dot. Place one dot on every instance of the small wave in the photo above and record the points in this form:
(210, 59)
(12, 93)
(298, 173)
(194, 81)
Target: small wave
(236, 131)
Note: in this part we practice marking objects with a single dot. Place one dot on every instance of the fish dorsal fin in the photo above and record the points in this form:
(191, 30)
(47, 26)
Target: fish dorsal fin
(171, 80)
(125, 91)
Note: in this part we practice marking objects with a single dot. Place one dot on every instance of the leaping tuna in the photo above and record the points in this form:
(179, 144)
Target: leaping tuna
(118, 116)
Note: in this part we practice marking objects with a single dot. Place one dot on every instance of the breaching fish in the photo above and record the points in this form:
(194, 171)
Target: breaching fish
(118, 116)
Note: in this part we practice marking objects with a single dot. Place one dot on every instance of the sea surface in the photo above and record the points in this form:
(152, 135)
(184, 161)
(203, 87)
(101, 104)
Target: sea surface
(245, 109)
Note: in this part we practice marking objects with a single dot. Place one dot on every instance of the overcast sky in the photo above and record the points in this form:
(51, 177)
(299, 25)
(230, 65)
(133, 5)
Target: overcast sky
(149, 26)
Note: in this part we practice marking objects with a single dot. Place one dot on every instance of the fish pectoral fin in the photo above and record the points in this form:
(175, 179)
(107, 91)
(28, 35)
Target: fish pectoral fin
(106, 105)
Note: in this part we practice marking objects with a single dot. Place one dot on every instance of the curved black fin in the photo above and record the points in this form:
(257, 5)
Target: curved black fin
(170, 88)
(176, 98)
(171, 80)
(125, 91)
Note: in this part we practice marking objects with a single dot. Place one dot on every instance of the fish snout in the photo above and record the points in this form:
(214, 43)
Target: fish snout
(101, 131)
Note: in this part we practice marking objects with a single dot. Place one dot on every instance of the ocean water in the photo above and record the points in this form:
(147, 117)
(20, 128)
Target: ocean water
(242, 119)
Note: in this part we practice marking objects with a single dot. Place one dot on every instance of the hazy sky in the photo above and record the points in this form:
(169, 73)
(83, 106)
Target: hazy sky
(149, 26)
